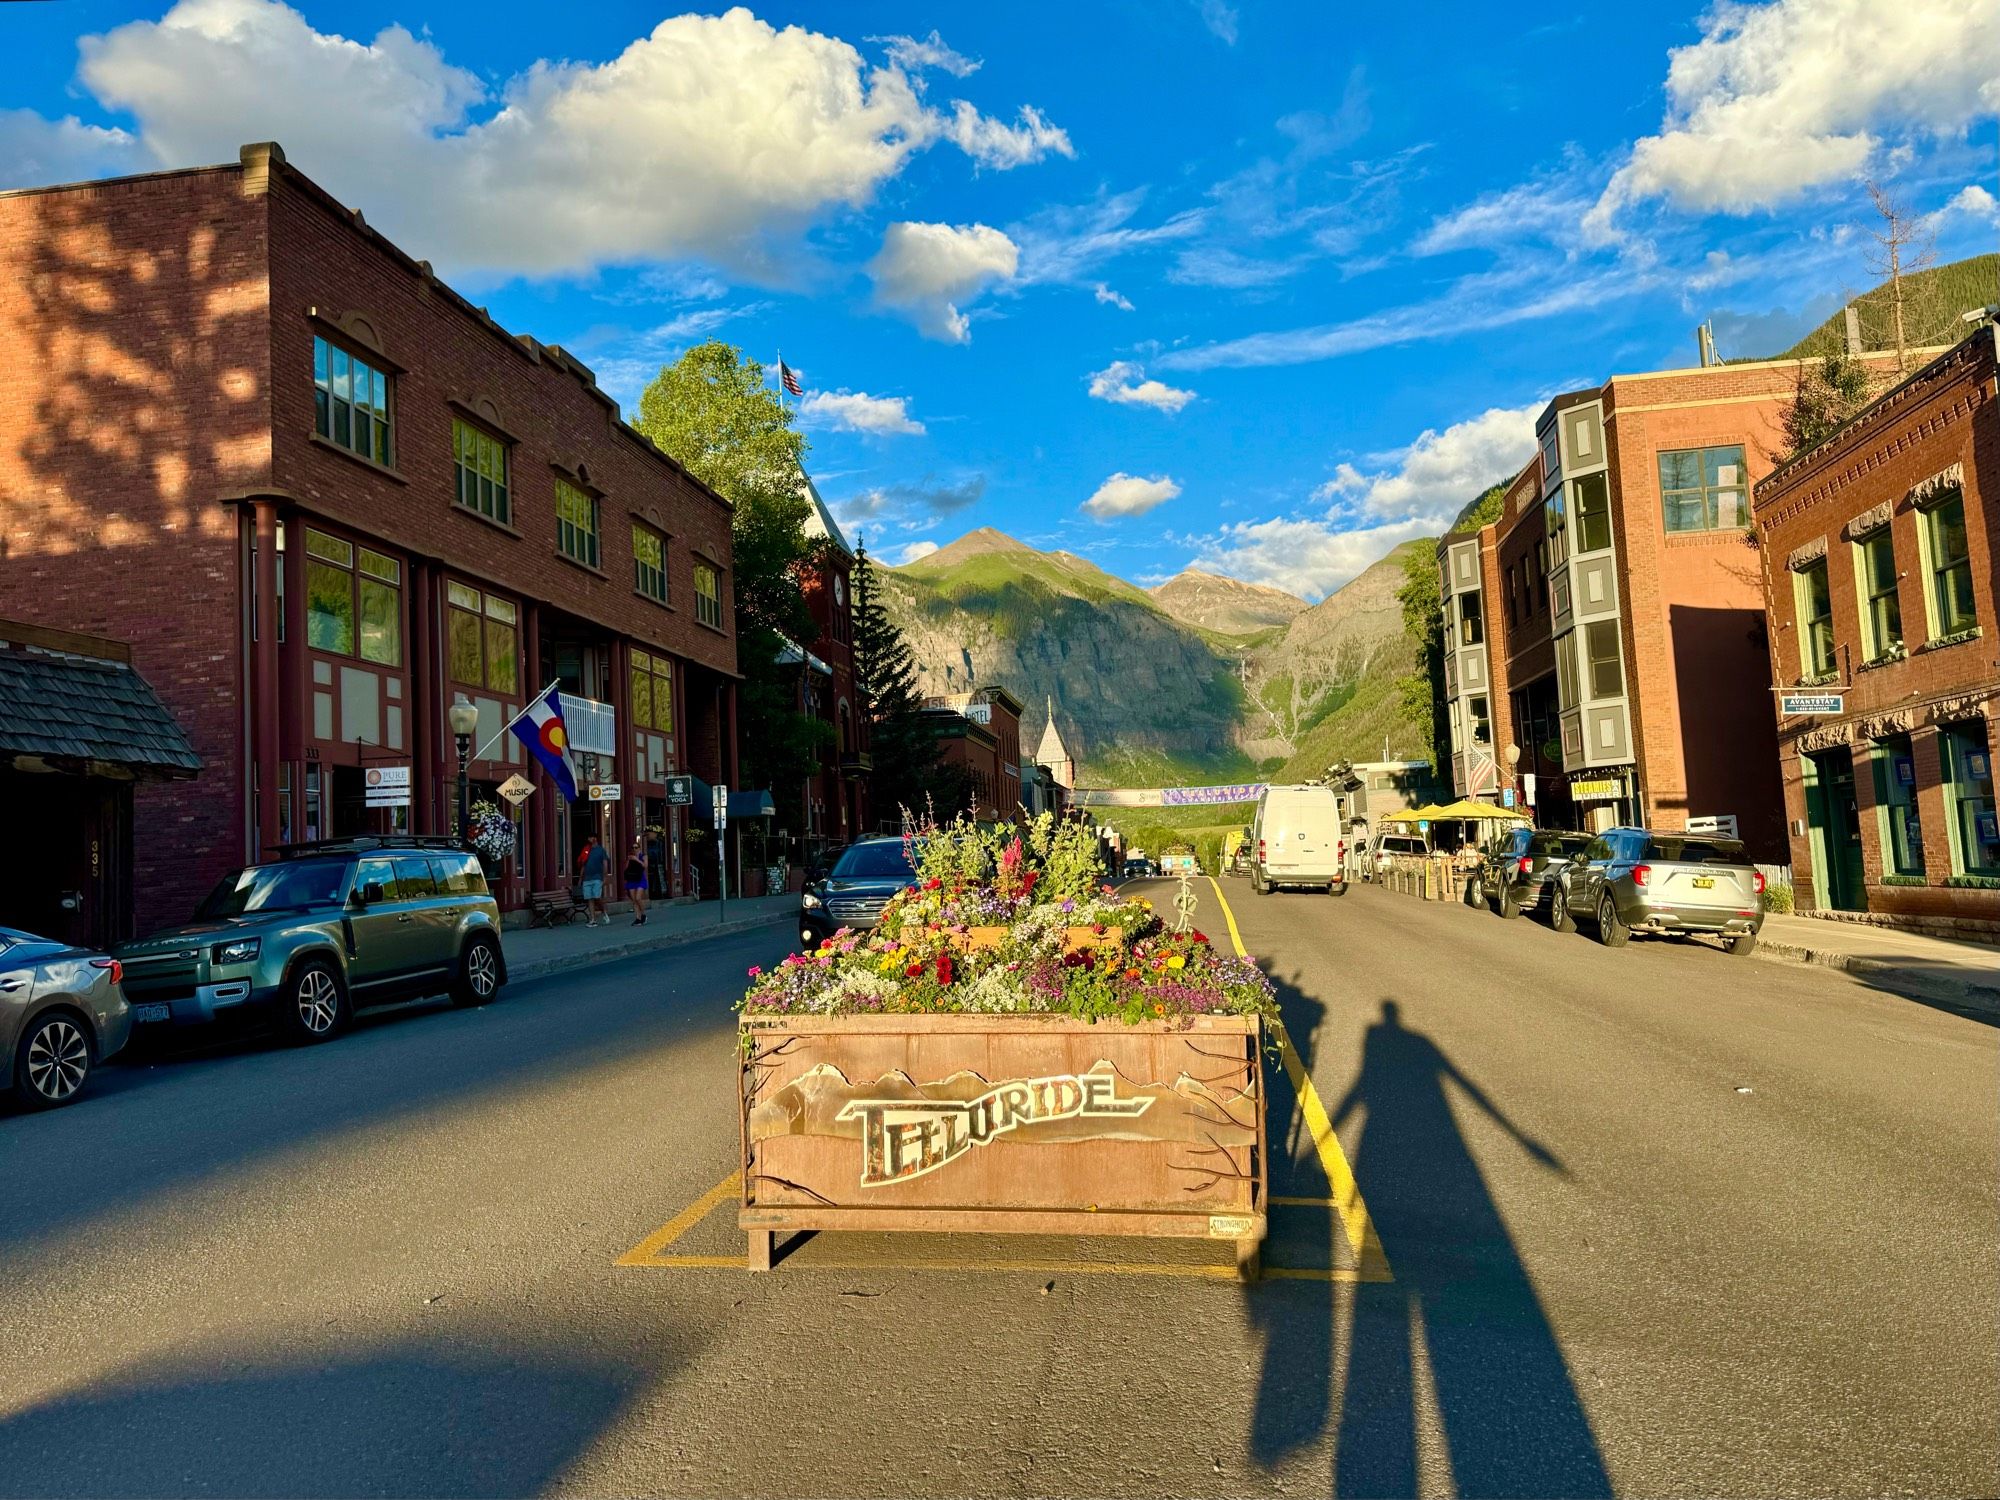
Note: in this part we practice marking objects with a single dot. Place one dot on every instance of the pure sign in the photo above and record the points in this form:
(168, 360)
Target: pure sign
(1810, 703)
(387, 786)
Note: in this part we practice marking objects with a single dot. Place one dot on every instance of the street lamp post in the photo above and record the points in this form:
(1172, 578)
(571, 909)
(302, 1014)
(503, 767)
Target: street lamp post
(464, 724)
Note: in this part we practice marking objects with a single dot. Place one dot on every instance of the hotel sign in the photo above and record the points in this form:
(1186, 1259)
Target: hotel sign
(1811, 703)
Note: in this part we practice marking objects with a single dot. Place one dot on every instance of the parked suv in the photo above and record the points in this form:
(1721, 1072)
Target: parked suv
(853, 894)
(1630, 880)
(1517, 872)
(325, 929)
(1388, 846)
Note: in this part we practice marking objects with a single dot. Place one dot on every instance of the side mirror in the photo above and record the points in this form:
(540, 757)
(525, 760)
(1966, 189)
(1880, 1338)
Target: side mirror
(371, 893)
(1579, 858)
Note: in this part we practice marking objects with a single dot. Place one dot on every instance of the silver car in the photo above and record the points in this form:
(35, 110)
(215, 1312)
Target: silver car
(62, 1012)
(1629, 880)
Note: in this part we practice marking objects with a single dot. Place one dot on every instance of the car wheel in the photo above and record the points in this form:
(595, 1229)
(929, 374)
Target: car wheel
(1261, 886)
(1337, 888)
(53, 1062)
(1610, 930)
(1559, 916)
(1743, 946)
(478, 973)
(1507, 904)
(314, 1008)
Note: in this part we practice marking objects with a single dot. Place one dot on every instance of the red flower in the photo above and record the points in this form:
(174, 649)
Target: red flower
(1200, 938)
(933, 884)
(1075, 960)
(914, 970)
(944, 968)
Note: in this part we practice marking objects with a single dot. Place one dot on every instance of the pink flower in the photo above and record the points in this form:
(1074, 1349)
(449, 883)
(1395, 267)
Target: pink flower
(755, 971)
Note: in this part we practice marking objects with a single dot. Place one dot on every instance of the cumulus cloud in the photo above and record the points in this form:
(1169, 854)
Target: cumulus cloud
(1778, 99)
(703, 139)
(1125, 383)
(1110, 298)
(910, 552)
(40, 151)
(1436, 475)
(1303, 557)
(1129, 495)
(926, 271)
(857, 411)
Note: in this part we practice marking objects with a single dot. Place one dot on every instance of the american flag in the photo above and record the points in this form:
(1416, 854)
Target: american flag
(789, 380)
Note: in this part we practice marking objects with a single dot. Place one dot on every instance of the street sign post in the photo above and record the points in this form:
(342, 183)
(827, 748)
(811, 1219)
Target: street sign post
(721, 806)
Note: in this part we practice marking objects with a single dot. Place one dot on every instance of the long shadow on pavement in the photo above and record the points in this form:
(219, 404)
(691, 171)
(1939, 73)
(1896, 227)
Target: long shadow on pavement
(1461, 1305)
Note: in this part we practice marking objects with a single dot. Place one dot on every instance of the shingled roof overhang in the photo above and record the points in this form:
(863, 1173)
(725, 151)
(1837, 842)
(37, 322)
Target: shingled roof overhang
(87, 715)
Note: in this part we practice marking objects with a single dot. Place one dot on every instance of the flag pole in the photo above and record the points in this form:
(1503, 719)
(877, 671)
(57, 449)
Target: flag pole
(500, 733)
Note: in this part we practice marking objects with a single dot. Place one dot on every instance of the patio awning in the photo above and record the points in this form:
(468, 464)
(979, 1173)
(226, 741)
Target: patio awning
(1466, 810)
(751, 805)
(85, 714)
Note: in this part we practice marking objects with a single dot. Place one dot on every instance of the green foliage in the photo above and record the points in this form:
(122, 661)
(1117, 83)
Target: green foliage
(1777, 897)
(901, 742)
(1421, 692)
(1484, 509)
(1827, 397)
(1933, 299)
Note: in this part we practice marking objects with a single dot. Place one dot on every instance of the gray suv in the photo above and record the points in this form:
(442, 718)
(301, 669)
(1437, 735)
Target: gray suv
(1631, 880)
(321, 931)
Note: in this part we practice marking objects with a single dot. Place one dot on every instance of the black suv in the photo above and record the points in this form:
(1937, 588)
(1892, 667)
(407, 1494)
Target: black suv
(1517, 870)
(853, 894)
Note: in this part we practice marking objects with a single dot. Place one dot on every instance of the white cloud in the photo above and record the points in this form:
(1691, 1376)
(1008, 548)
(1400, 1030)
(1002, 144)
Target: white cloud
(1778, 99)
(1110, 298)
(1124, 382)
(705, 138)
(910, 505)
(1347, 480)
(1066, 243)
(1974, 203)
(857, 411)
(1220, 18)
(1306, 558)
(40, 151)
(1129, 495)
(914, 54)
(1438, 473)
(1546, 209)
(926, 271)
(903, 556)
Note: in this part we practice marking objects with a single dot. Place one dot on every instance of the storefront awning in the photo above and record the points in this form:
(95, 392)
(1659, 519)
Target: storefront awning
(751, 805)
(79, 713)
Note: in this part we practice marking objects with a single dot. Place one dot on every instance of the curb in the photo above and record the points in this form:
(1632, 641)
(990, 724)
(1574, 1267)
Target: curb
(1885, 969)
(540, 968)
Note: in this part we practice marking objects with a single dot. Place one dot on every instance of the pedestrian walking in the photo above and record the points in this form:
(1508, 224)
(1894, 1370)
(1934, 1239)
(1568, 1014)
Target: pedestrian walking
(635, 880)
(593, 867)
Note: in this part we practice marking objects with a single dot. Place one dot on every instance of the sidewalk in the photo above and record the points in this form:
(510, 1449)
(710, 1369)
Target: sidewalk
(1968, 970)
(535, 951)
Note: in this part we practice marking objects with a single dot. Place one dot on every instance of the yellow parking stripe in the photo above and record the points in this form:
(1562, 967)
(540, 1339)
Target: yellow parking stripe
(1346, 1200)
(646, 1252)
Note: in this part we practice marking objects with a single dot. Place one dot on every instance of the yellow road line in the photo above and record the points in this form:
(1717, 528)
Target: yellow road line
(1347, 1201)
(647, 1251)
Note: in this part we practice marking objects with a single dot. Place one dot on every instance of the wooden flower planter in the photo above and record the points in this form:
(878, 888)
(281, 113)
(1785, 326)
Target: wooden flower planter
(1015, 1124)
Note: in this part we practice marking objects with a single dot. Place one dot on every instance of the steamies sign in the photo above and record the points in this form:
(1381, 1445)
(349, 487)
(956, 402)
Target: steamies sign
(906, 1138)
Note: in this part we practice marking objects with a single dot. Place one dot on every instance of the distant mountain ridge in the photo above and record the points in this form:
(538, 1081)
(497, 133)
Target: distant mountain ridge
(1202, 677)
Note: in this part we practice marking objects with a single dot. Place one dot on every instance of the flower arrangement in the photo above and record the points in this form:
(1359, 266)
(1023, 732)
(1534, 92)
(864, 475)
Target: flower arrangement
(491, 832)
(1066, 945)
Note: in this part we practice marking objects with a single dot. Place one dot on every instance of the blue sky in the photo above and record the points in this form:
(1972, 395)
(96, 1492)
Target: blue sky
(1269, 289)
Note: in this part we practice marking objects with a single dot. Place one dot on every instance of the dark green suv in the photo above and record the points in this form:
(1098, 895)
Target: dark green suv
(326, 928)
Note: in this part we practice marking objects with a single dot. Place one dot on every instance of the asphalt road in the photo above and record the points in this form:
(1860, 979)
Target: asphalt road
(1658, 1221)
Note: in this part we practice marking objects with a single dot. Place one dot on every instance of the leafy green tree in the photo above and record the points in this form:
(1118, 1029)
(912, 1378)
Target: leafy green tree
(900, 740)
(1421, 692)
(712, 412)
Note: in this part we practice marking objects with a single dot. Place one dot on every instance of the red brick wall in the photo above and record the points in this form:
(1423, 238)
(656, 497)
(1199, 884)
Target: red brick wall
(133, 323)
(1946, 414)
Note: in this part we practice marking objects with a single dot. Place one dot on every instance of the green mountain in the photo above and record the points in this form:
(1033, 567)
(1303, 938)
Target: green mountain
(1933, 299)
(1200, 679)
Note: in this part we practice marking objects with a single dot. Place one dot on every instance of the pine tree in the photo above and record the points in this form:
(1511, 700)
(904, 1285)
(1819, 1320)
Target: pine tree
(900, 741)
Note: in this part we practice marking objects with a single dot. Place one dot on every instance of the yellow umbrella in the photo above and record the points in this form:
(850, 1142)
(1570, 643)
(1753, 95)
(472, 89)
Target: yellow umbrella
(1414, 814)
(1466, 809)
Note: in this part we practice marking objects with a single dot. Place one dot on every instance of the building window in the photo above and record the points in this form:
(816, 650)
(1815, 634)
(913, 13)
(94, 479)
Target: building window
(708, 594)
(649, 562)
(1968, 796)
(1566, 670)
(1593, 513)
(482, 639)
(1896, 802)
(1814, 603)
(481, 460)
(1949, 566)
(1607, 672)
(1881, 610)
(1471, 625)
(1482, 723)
(351, 402)
(1555, 525)
(576, 523)
(1701, 489)
(354, 600)
(652, 691)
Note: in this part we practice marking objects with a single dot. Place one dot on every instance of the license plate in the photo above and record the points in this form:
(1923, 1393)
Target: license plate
(152, 1012)
(1703, 882)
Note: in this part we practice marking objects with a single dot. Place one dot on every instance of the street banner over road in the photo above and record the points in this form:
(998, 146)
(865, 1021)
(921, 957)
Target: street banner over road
(1168, 796)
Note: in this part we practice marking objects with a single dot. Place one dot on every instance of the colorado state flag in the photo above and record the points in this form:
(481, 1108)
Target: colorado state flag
(540, 727)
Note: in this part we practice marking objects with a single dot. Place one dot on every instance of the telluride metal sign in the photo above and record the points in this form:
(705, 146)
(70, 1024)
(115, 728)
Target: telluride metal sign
(906, 1138)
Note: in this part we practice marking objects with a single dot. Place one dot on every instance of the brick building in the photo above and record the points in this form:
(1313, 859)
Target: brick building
(319, 496)
(1880, 552)
(1608, 627)
(835, 805)
(981, 731)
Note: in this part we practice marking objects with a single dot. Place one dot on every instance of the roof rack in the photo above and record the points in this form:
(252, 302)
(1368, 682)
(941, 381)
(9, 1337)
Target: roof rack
(360, 842)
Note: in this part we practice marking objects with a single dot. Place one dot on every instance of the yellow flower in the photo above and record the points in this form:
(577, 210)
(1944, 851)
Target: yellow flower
(1177, 962)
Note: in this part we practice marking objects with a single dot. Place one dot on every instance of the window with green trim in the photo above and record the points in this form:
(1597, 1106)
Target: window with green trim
(1949, 563)
(576, 523)
(481, 463)
(708, 594)
(351, 402)
(1968, 796)
(1875, 578)
(649, 562)
(1813, 600)
(1902, 833)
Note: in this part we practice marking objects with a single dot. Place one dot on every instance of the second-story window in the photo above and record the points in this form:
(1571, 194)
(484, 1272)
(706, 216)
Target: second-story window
(1881, 610)
(1593, 513)
(652, 691)
(482, 640)
(708, 594)
(1950, 567)
(1607, 672)
(354, 600)
(1701, 489)
(351, 402)
(1814, 602)
(576, 523)
(1471, 625)
(649, 562)
(481, 462)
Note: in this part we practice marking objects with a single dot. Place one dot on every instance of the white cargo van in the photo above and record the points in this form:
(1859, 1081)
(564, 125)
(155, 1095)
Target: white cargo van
(1298, 839)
